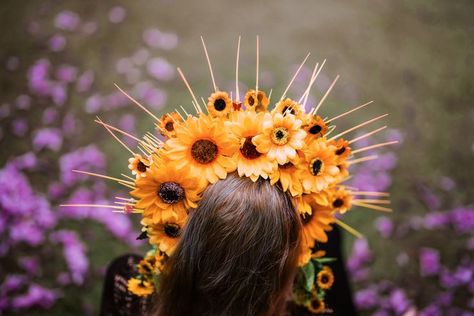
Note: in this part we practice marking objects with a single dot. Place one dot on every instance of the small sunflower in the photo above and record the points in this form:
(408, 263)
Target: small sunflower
(169, 123)
(140, 287)
(145, 267)
(325, 278)
(256, 101)
(319, 169)
(250, 162)
(280, 138)
(317, 223)
(205, 147)
(316, 306)
(342, 149)
(288, 106)
(219, 104)
(315, 127)
(166, 193)
(341, 200)
(164, 235)
(139, 165)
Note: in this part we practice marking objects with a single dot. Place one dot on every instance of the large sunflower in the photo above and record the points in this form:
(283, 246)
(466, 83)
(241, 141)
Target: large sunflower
(219, 104)
(250, 162)
(166, 192)
(288, 106)
(281, 137)
(256, 101)
(169, 124)
(319, 168)
(317, 223)
(206, 147)
(164, 235)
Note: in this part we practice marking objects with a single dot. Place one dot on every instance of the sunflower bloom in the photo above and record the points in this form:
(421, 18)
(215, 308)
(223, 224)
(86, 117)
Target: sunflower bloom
(315, 127)
(205, 147)
(219, 104)
(317, 223)
(250, 162)
(287, 175)
(316, 306)
(139, 165)
(169, 124)
(164, 235)
(166, 193)
(140, 287)
(288, 106)
(325, 278)
(342, 149)
(341, 200)
(319, 168)
(256, 101)
(281, 137)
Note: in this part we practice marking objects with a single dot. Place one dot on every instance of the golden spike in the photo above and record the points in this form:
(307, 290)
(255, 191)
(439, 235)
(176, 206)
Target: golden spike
(270, 95)
(330, 130)
(144, 150)
(350, 111)
(374, 146)
(294, 77)
(99, 121)
(137, 103)
(116, 138)
(325, 95)
(128, 177)
(124, 199)
(373, 193)
(205, 104)
(184, 110)
(359, 160)
(209, 64)
(374, 201)
(358, 126)
(367, 134)
(374, 207)
(237, 93)
(349, 229)
(92, 205)
(258, 62)
(310, 85)
(189, 89)
(102, 176)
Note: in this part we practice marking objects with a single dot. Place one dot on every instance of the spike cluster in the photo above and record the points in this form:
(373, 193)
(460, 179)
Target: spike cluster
(286, 145)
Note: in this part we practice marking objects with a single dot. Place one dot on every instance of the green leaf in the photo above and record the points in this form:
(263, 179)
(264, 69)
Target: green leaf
(308, 272)
(325, 260)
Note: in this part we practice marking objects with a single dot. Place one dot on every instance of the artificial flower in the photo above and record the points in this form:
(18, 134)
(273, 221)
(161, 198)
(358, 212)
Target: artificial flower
(219, 104)
(164, 235)
(315, 127)
(288, 106)
(256, 101)
(140, 287)
(325, 278)
(139, 165)
(169, 124)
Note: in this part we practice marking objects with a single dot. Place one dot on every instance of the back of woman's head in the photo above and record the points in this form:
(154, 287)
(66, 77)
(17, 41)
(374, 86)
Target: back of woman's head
(237, 254)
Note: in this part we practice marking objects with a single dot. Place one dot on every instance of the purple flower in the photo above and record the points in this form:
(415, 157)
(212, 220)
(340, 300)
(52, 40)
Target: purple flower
(85, 81)
(157, 39)
(67, 20)
(384, 226)
(117, 14)
(29, 264)
(140, 57)
(399, 301)
(360, 255)
(447, 279)
(66, 73)
(366, 298)
(436, 220)
(57, 43)
(89, 28)
(87, 158)
(25, 161)
(59, 93)
(160, 69)
(93, 104)
(429, 261)
(23, 102)
(462, 219)
(50, 115)
(36, 296)
(12, 283)
(428, 197)
(19, 127)
(447, 184)
(49, 138)
(431, 310)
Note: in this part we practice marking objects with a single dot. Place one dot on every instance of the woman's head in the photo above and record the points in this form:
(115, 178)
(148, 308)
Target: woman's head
(237, 254)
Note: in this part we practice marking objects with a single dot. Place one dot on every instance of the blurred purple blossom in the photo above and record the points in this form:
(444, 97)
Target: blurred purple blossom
(160, 69)
(117, 14)
(26, 161)
(19, 127)
(57, 43)
(23, 102)
(89, 28)
(462, 219)
(36, 296)
(67, 20)
(50, 115)
(85, 81)
(436, 220)
(384, 226)
(29, 264)
(153, 37)
(66, 73)
(47, 138)
(429, 261)
(367, 298)
(399, 301)
(87, 159)
(447, 184)
(12, 283)
(360, 255)
(430, 199)
(141, 56)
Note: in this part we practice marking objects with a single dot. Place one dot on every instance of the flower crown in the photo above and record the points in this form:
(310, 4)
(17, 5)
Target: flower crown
(283, 143)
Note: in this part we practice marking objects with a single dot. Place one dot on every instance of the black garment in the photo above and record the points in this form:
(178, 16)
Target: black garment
(116, 299)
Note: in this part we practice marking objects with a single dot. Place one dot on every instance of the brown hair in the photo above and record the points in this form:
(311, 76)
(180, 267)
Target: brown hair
(238, 253)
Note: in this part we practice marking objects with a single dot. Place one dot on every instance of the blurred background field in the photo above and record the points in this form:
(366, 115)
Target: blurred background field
(60, 59)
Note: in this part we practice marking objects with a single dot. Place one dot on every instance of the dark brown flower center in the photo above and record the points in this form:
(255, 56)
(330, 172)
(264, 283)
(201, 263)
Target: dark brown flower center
(280, 136)
(288, 165)
(204, 151)
(316, 304)
(141, 166)
(219, 105)
(290, 109)
(251, 101)
(338, 203)
(172, 230)
(324, 279)
(249, 150)
(315, 129)
(169, 126)
(171, 192)
(315, 166)
(306, 218)
(341, 150)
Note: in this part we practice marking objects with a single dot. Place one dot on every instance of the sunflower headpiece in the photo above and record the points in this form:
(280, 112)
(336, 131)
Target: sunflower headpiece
(289, 145)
